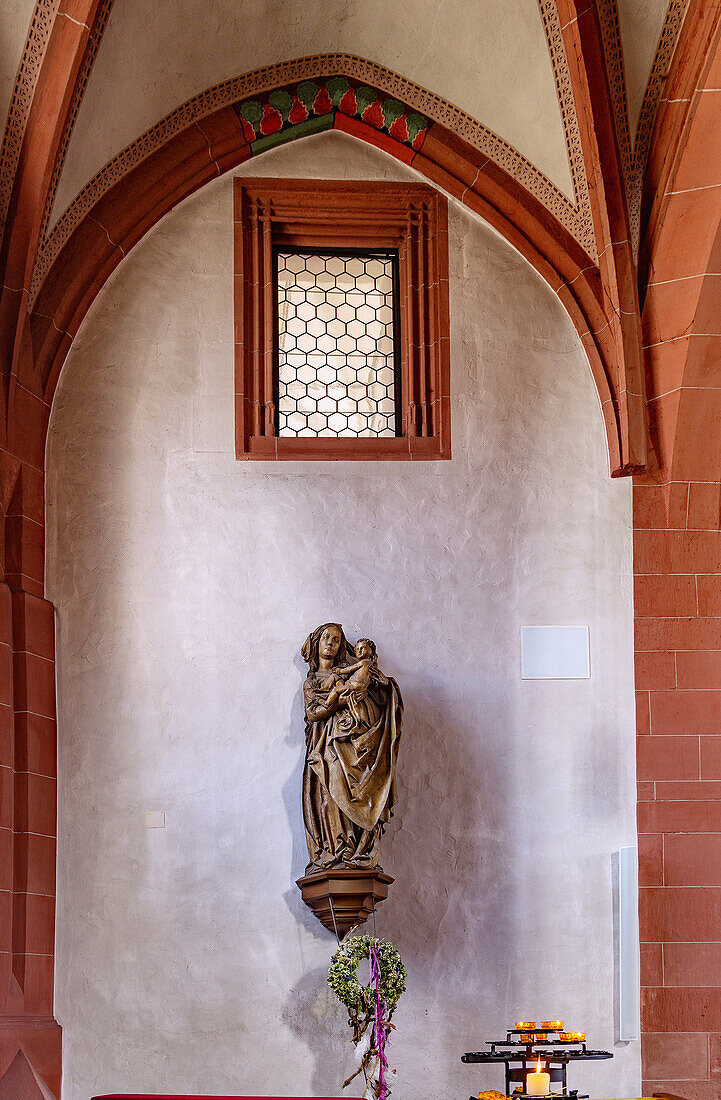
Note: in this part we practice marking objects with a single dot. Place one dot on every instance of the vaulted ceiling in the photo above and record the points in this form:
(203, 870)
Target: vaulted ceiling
(498, 62)
(480, 55)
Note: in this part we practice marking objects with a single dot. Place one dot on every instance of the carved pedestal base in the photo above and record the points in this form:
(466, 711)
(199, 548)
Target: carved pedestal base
(353, 893)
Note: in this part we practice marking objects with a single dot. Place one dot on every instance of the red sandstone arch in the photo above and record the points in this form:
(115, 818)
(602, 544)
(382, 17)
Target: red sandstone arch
(621, 336)
(203, 150)
(49, 114)
(681, 258)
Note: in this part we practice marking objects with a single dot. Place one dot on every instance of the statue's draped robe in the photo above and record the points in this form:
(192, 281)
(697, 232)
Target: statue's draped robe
(349, 775)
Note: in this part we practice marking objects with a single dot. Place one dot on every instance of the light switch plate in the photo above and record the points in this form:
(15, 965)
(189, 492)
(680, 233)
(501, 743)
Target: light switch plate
(155, 819)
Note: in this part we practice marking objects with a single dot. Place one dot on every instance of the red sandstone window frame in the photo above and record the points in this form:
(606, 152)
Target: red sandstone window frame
(411, 218)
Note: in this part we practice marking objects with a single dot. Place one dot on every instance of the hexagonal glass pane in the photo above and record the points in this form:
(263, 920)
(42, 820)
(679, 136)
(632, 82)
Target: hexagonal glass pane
(296, 422)
(355, 266)
(306, 374)
(306, 342)
(315, 264)
(327, 374)
(347, 344)
(306, 311)
(296, 391)
(334, 265)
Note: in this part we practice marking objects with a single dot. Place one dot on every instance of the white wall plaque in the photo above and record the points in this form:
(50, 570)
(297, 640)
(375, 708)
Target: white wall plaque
(555, 653)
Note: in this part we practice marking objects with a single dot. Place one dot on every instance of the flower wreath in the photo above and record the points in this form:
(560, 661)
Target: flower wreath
(368, 1005)
(343, 980)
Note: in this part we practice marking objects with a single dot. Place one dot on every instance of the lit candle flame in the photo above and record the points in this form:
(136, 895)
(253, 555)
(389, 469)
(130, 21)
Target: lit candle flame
(538, 1067)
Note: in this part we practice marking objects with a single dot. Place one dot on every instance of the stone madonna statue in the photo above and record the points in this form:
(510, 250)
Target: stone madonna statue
(353, 719)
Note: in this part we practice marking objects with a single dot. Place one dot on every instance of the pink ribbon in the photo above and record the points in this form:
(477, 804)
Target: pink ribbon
(379, 1026)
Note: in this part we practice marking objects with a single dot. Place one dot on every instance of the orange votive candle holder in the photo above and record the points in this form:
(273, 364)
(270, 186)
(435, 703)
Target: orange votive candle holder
(552, 1025)
(525, 1025)
(573, 1036)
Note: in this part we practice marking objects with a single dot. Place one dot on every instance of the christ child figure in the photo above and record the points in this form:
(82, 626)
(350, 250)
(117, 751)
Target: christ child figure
(358, 674)
(351, 684)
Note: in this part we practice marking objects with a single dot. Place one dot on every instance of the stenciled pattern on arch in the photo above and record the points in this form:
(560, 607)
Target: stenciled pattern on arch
(91, 53)
(566, 102)
(634, 154)
(575, 218)
(308, 100)
(36, 44)
(608, 20)
(652, 96)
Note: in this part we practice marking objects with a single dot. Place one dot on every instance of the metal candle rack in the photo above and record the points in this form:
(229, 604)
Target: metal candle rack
(526, 1052)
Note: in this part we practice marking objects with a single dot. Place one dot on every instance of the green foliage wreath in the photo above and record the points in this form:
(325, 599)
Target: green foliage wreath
(360, 999)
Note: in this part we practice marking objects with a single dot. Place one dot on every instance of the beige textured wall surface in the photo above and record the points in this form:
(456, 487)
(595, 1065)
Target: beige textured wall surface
(487, 58)
(641, 22)
(185, 583)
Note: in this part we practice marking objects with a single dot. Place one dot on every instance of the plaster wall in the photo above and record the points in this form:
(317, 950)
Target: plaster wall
(185, 583)
(641, 23)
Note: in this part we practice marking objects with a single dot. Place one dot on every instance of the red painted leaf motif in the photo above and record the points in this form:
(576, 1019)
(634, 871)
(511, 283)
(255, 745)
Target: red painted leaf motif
(373, 115)
(348, 103)
(272, 120)
(419, 139)
(298, 112)
(398, 129)
(322, 103)
(248, 132)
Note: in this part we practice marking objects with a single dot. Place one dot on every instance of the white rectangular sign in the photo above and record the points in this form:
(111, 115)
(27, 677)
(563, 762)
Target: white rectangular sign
(555, 653)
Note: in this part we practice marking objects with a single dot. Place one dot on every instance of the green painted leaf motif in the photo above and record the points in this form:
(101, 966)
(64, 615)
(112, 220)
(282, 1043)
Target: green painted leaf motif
(336, 87)
(364, 97)
(392, 110)
(416, 123)
(251, 111)
(307, 91)
(282, 101)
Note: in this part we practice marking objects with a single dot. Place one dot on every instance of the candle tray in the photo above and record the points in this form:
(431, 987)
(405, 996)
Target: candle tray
(520, 1056)
(572, 1095)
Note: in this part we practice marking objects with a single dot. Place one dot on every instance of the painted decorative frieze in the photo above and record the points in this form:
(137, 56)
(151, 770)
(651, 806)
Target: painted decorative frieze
(313, 104)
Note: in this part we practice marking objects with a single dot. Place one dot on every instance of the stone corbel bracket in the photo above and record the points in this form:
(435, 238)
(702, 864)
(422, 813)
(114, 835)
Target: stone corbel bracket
(343, 898)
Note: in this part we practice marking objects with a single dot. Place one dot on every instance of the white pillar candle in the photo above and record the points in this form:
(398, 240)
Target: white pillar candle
(538, 1084)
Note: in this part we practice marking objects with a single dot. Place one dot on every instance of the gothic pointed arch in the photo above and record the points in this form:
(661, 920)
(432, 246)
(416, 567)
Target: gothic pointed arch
(196, 144)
